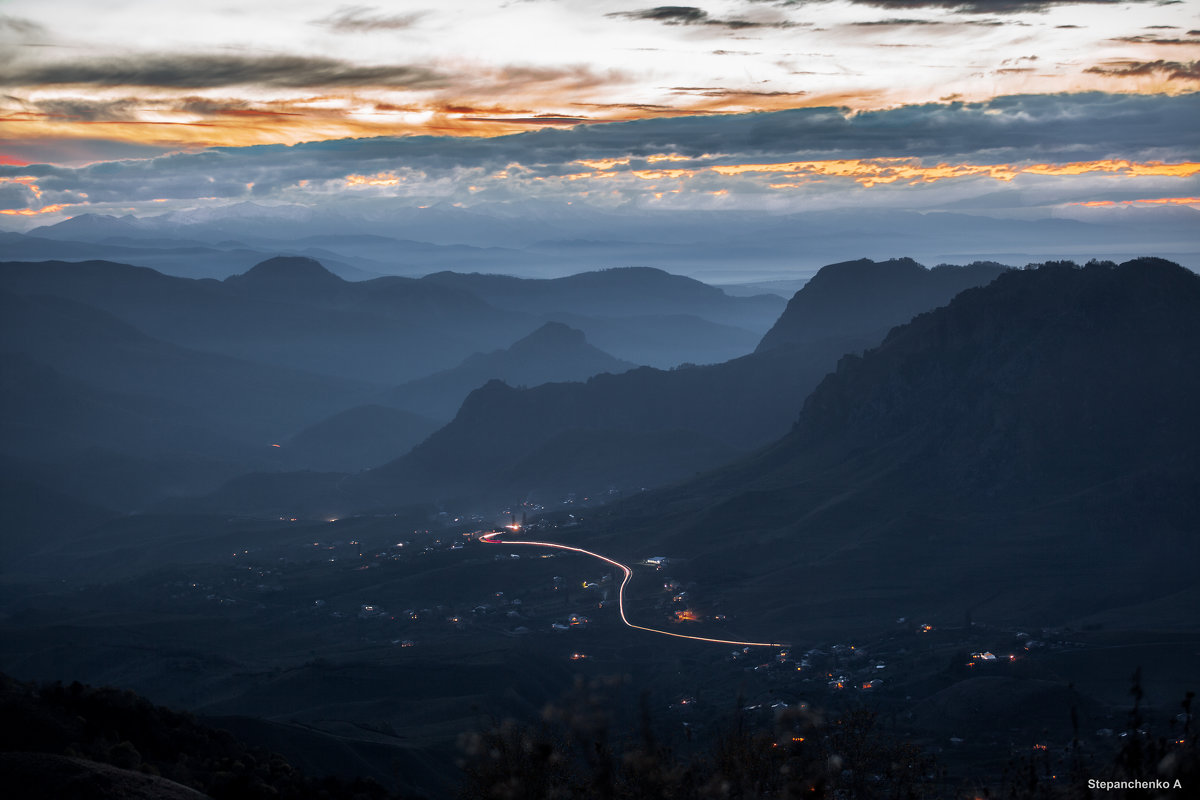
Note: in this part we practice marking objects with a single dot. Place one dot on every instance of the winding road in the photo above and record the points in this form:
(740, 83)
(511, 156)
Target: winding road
(489, 538)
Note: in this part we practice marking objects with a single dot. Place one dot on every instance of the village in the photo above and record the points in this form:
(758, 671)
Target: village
(356, 591)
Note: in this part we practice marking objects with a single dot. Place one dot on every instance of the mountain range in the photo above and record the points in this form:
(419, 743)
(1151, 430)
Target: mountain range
(1027, 452)
(533, 238)
(124, 385)
(1013, 464)
(562, 438)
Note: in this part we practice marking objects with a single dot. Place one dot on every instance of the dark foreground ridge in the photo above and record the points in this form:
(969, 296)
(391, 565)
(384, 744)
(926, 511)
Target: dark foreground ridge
(78, 741)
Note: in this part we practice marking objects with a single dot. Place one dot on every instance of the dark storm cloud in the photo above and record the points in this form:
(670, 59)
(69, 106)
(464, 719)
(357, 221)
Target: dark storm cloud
(16, 195)
(83, 110)
(894, 22)
(1172, 70)
(132, 109)
(632, 107)
(210, 107)
(1152, 40)
(540, 119)
(365, 19)
(212, 71)
(1039, 128)
(671, 15)
(690, 15)
(713, 91)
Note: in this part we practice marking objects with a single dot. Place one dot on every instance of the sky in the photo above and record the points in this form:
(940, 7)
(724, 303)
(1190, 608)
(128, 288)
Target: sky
(1020, 108)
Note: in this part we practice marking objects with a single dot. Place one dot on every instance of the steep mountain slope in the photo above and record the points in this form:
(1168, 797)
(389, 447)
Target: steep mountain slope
(553, 353)
(46, 415)
(1028, 453)
(865, 297)
(701, 415)
(662, 340)
(237, 398)
(92, 407)
(354, 439)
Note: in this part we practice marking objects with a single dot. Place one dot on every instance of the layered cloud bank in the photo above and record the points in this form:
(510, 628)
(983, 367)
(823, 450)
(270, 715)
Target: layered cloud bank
(1005, 153)
(82, 81)
(1011, 109)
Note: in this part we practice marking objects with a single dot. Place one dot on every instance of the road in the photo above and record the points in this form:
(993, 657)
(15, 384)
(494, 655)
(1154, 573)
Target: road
(489, 538)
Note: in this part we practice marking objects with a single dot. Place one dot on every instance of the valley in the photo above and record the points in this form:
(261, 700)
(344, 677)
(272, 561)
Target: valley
(971, 534)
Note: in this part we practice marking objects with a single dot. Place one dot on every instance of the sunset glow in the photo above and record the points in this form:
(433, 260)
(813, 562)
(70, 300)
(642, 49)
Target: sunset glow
(739, 105)
(190, 75)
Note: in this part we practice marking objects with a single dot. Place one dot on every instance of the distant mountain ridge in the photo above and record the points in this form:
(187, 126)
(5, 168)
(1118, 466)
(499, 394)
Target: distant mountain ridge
(546, 239)
(551, 354)
(855, 298)
(285, 273)
(291, 313)
(618, 292)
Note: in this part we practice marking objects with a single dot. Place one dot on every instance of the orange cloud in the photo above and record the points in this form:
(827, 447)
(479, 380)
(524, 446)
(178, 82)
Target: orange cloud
(1176, 201)
(28, 181)
(1182, 170)
(378, 179)
(870, 172)
(31, 212)
(607, 163)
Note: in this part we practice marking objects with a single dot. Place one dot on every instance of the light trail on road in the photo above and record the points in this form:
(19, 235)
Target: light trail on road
(487, 538)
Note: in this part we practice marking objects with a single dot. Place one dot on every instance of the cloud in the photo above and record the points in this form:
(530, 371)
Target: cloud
(1042, 129)
(80, 150)
(16, 195)
(204, 71)
(84, 110)
(539, 119)
(366, 19)
(983, 6)
(1171, 70)
(207, 106)
(897, 22)
(20, 26)
(670, 15)
(1147, 39)
(690, 15)
(713, 91)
